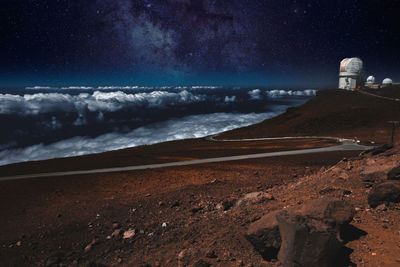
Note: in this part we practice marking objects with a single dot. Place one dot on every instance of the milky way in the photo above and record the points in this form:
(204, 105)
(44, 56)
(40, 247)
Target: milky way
(303, 40)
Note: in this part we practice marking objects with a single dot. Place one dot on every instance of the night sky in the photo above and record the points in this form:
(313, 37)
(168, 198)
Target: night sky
(220, 42)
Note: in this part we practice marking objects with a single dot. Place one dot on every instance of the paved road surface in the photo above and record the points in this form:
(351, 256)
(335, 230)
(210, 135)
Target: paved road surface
(346, 145)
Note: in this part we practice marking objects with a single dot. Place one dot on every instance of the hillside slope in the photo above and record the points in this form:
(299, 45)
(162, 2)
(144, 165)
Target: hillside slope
(332, 112)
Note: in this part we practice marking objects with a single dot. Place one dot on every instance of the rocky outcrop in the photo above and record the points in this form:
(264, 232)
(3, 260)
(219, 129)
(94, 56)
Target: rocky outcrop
(264, 236)
(305, 235)
(394, 174)
(385, 192)
(306, 242)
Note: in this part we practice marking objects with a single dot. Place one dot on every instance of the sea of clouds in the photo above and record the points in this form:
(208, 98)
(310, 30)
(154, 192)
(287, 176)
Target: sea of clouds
(52, 122)
(175, 129)
(33, 104)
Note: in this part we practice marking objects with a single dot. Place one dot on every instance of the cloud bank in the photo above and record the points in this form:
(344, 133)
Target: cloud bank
(33, 104)
(255, 94)
(283, 93)
(174, 129)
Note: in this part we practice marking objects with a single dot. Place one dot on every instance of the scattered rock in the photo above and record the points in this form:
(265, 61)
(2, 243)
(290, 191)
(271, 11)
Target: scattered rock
(264, 235)
(91, 245)
(185, 257)
(385, 192)
(202, 263)
(394, 174)
(381, 207)
(335, 190)
(254, 198)
(211, 254)
(129, 234)
(196, 209)
(182, 254)
(117, 233)
(226, 205)
(164, 224)
(55, 259)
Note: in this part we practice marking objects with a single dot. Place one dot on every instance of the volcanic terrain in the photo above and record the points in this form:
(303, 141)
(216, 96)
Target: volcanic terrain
(200, 215)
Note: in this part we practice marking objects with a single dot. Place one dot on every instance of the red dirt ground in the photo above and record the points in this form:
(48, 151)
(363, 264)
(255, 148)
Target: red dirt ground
(53, 219)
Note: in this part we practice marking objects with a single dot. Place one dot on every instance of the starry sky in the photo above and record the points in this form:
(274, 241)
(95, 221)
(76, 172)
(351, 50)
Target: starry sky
(190, 42)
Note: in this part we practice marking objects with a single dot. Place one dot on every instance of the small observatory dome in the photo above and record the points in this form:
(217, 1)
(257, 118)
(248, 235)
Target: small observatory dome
(371, 80)
(387, 81)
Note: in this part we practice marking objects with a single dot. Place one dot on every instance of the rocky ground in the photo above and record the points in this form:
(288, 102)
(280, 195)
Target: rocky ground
(198, 223)
(344, 203)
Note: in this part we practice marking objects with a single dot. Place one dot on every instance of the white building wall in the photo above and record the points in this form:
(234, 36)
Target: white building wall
(347, 83)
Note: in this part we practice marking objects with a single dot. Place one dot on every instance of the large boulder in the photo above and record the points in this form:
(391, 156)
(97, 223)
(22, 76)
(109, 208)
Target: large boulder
(394, 174)
(264, 235)
(333, 212)
(305, 243)
(385, 192)
(311, 233)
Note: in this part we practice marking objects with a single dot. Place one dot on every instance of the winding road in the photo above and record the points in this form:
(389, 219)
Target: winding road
(345, 145)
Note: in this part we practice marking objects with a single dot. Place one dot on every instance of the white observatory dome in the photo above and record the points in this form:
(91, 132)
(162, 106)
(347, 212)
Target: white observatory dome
(371, 80)
(387, 81)
(351, 65)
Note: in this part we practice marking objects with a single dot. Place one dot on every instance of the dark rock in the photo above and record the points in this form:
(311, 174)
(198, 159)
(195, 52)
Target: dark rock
(331, 211)
(385, 192)
(55, 259)
(381, 207)
(94, 264)
(394, 174)
(373, 177)
(202, 263)
(226, 205)
(196, 209)
(380, 149)
(335, 190)
(211, 254)
(311, 233)
(305, 244)
(175, 204)
(264, 236)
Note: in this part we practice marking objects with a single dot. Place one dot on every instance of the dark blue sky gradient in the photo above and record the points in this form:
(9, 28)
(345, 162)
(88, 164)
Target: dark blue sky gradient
(157, 42)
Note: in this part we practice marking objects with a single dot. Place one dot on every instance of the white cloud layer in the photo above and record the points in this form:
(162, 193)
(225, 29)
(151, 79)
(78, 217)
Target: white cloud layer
(283, 93)
(175, 129)
(255, 94)
(230, 99)
(33, 104)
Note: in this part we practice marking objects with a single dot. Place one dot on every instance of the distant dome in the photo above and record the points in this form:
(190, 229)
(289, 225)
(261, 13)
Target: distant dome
(371, 79)
(351, 65)
(387, 81)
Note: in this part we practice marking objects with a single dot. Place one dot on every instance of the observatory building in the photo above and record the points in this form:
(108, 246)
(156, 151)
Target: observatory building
(370, 80)
(387, 82)
(351, 73)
